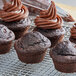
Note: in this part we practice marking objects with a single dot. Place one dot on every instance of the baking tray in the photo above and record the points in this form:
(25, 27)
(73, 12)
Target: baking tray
(11, 66)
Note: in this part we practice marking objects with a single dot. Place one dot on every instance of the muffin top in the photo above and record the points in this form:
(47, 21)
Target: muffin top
(65, 48)
(49, 19)
(6, 34)
(33, 42)
(64, 52)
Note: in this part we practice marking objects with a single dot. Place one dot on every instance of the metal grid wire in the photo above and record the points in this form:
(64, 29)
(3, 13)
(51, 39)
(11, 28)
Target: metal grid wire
(11, 66)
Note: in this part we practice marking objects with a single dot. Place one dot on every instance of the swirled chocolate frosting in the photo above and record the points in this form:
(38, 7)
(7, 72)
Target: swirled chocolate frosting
(13, 11)
(68, 18)
(73, 32)
(48, 19)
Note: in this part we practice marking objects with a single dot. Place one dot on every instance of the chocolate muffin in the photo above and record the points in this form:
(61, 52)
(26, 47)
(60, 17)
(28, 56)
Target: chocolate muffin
(49, 24)
(31, 48)
(64, 57)
(73, 34)
(14, 15)
(6, 38)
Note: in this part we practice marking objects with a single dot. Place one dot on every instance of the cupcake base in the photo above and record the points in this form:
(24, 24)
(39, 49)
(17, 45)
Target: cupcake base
(72, 40)
(19, 33)
(29, 58)
(55, 36)
(18, 27)
(65, 67)
(5, 47)
(56, 39)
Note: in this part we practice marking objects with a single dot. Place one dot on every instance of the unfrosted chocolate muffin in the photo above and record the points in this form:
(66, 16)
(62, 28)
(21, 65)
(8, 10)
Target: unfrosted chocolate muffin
(49, 23)
(64, 57)
(6, 38)
(73, 34)
(14, 15)
(31, 48)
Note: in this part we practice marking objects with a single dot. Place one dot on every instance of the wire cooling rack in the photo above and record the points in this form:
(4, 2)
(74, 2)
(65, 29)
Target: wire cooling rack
(11, 66)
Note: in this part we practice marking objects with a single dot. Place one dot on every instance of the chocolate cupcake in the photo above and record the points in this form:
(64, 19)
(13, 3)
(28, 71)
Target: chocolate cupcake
(64, 57)
(14, 15)
(31, 48)
(73, 34)
(6, 38)
(68, 18)
(49, 24)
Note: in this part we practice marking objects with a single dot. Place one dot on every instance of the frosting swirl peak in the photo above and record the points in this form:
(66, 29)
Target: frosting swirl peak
(49, 19)
(13, 11)
(73, 32)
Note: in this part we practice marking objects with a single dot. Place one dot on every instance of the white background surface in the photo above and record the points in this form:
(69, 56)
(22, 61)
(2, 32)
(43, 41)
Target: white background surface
(67, 2)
